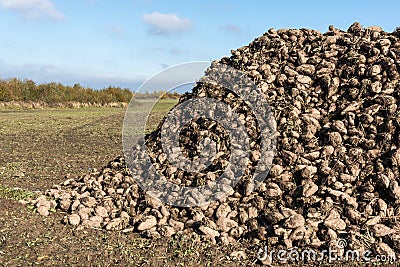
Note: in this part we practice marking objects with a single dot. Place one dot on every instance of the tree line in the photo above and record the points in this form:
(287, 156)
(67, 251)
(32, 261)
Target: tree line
(27, 90)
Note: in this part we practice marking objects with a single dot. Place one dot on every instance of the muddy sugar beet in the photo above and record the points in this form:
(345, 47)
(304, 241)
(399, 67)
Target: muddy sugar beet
(335, 174)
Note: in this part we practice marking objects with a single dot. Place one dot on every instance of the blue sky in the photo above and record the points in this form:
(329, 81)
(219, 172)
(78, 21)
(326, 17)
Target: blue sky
(101, 42)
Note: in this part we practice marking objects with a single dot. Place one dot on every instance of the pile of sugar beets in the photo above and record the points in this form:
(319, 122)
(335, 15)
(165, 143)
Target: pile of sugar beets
(335, 173)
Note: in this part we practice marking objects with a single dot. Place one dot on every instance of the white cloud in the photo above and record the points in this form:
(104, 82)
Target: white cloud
(45, 73)
(33, 9)
(166, 23)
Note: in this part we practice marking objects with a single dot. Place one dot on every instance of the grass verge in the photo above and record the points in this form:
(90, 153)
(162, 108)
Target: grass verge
(16, 193)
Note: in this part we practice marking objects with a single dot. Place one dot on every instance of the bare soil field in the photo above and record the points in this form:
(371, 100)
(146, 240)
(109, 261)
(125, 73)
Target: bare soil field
(40, 148)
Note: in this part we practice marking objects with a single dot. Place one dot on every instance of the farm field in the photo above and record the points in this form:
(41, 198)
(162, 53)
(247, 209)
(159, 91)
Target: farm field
(145, 133)
(40, 148)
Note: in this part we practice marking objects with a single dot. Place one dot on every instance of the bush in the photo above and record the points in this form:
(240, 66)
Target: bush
(27, 90)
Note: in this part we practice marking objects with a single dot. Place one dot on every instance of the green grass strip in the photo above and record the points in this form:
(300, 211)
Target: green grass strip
(16, 193)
